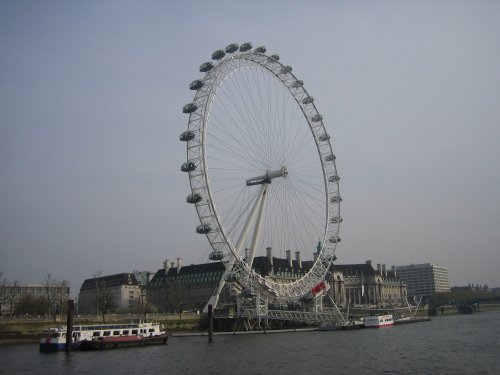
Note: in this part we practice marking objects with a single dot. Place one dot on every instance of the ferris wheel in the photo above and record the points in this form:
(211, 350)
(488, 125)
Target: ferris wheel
(262, 171)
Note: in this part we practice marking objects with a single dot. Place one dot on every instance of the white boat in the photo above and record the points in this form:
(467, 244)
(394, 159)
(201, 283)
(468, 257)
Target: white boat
(376, 321)
(54, 339)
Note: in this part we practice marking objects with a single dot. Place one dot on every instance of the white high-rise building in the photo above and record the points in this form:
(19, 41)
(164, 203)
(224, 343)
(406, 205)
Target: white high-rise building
(424, 280)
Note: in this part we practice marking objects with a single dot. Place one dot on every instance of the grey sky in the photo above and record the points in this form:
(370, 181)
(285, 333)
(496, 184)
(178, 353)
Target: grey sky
(90, 112)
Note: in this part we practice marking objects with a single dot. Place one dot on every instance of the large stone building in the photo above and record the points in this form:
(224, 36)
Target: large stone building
(424, 280)
(361, 284)
(176, 288)
(114, 293)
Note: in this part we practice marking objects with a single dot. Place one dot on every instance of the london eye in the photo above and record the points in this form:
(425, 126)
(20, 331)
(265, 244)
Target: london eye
(261, 169)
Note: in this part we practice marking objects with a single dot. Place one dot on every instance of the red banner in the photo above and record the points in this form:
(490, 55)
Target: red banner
(318, 288)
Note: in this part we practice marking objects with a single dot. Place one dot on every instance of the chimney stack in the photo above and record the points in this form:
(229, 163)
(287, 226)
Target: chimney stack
(289, 257)
(297, 258)
(369, 262)
(379, 269)
(384, 270)
(247, 252)
(393, 268)
(179, 264)
(166, 266)
(269, 251)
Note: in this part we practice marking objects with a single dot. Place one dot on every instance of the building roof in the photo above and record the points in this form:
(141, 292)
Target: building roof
(109, 281)
(188, 270)
(263, 266)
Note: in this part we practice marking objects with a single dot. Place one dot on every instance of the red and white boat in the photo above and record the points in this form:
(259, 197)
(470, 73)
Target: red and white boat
(377, 321)
(104, 336)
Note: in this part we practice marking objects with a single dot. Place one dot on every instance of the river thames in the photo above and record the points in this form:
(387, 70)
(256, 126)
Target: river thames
(457, 344)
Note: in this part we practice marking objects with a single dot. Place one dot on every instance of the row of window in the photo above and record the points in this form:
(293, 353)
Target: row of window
(123, 332)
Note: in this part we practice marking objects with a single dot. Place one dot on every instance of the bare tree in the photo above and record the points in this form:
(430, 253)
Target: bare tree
(12, 295)
(63, 295)
(3, 283)
(50, 291)
(105, 301)
(141, 305)
(97, 279)
(143, 301)
(175, 297)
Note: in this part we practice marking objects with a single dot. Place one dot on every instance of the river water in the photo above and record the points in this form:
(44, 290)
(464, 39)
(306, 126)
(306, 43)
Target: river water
(459, 344)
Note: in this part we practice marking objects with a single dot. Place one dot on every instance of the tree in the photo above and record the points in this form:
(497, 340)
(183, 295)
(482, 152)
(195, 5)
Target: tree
(97, 279)
(106, 301)
(62, 297)
(50, 291)
(175, 296)
(11, 295)
(3, 284)
(31, 305)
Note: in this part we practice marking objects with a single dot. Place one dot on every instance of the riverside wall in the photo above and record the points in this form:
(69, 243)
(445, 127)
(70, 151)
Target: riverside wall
(16, 330)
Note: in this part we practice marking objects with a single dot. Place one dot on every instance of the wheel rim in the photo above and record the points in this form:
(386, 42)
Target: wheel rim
(251, 116)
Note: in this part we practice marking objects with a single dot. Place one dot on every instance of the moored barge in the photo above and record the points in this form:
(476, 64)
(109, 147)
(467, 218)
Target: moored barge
(54, 339)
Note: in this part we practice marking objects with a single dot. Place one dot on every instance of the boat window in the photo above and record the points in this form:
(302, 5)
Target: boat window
(125, 332)
(107, 333)
(151, 330)
(96, 334)
(116, 333)
(134, 332)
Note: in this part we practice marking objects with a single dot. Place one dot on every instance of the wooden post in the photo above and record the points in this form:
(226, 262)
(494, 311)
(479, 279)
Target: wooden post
(69, 325)
(210, 323)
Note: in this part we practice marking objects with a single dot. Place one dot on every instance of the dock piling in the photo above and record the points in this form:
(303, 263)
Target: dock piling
(210, 323)
(69, 325)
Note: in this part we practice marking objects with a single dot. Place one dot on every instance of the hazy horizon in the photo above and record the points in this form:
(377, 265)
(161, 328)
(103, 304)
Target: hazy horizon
(91, 111)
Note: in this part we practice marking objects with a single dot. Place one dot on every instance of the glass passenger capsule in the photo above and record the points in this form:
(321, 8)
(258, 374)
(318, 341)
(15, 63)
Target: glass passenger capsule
(206, 66)
(219, 54)
(188, 166)
(336, 199)
(285, 69)
(308, 100)
(334, 178)
(245, 47)
(216, 255)
(316, 118)
(189, 108)
(324, 137)
(203, 229)
(233, 47)
(194, 198)
(186, 136)
(297, 83)
(330, 157)
(261, 49)
(275, 56)
(334, 239)
(336, 220)
(196, 84)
